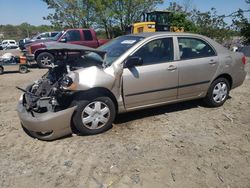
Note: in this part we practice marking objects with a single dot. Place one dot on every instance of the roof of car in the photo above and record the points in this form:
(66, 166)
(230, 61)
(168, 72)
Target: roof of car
(219, 47)
(150, 34)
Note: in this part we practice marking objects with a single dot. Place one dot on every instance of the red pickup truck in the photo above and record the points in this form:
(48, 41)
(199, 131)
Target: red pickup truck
(85, 37)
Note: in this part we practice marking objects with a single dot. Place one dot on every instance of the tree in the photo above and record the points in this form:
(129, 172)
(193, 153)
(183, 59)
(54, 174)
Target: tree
(211, 24)
(245, 29)
(127, 12)
(241, 23)
(180, 20)
(111, 15)
(70, 13)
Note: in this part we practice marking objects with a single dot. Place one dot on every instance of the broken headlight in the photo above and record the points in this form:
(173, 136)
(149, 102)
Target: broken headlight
(66, 82)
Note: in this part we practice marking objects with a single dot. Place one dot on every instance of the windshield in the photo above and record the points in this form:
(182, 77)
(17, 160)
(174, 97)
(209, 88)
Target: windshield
(116, 47)
(55, 38)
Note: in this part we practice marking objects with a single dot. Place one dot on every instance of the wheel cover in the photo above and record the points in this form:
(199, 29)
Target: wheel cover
(220, 92)
(46, 60)
(23, 69)
(95, 115)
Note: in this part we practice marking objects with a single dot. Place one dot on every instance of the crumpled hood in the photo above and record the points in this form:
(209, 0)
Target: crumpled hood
(90, 77)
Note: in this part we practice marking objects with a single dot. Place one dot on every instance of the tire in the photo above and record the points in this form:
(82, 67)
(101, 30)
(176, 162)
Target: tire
(23, 69)
(44, 59)
(1, 70)
(218, 92)
(88, 120)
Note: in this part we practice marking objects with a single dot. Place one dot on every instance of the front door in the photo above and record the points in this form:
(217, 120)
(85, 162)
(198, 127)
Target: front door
(156, 80)
(73, 37)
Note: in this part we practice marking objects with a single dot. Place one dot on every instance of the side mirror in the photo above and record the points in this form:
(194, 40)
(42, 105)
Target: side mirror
(63, 40)
(133, 61)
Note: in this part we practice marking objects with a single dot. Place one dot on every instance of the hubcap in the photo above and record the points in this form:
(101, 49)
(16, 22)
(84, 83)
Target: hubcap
(95, 115)
(46, 60)
(220, 92)
(23, 69)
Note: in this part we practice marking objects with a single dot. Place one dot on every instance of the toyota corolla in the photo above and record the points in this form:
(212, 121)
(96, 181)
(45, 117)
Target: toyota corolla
(129, 73)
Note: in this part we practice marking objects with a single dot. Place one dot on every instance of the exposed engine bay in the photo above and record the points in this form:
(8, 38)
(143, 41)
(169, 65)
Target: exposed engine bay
(51, 93)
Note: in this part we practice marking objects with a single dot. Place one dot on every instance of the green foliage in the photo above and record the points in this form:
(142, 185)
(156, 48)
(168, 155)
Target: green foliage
(70, 13)
(209, 23)
(113, 16)
(23, 30)
(245, 32)
(179, 19)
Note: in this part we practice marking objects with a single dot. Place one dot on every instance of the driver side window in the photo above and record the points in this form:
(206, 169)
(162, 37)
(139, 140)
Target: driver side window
(156, 51)
(72, 35)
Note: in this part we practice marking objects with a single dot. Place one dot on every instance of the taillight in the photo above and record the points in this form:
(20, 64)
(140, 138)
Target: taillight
(244, 60)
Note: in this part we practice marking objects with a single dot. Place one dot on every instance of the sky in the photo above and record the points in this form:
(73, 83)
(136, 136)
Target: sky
(16, 12)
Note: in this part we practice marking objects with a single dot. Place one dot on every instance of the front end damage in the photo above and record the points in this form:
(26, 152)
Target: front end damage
(44, 108)
(47, 106)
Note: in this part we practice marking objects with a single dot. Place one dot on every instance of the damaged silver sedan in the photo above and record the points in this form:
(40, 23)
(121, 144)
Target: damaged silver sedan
(85, 88)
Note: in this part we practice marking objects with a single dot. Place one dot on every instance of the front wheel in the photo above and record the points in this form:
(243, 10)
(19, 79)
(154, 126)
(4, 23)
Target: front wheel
(218, 93)
(1, 70)
(44, 59)
(94, 116)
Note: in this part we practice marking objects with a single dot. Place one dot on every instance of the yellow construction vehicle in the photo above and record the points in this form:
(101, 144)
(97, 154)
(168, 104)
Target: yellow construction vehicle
(154, 21)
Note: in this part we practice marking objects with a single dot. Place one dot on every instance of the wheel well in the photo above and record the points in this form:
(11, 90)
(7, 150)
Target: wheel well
(96, 92)
(228, 77)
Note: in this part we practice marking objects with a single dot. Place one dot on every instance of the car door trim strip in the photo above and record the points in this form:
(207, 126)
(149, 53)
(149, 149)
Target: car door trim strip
(169, 88)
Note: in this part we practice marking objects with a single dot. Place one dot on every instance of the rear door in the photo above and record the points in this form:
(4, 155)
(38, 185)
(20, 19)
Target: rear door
(197, 65)
(89, 40)
(156, 80)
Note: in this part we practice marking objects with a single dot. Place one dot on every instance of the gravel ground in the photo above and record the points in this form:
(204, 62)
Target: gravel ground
(180, 145)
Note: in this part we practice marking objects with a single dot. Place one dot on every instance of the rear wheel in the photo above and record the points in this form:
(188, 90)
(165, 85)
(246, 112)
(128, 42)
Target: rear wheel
(1, 70)
(23, 69)
(218, 92)
(94, 116)
(44, 59)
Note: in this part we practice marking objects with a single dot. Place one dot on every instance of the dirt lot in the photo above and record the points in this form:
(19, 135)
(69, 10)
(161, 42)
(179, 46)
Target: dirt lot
(181, 145)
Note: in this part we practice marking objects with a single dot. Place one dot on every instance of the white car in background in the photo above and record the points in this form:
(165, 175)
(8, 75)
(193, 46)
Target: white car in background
(9, 44)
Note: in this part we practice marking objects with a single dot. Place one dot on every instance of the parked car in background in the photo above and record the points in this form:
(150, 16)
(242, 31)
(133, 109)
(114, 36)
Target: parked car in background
(84, 37)
(9, 44)
(40, 36)
(1, 48)
(129, 73)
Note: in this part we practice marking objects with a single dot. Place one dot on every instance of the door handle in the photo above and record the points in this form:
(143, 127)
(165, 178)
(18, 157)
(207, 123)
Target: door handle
(172, 67)
(212, 62)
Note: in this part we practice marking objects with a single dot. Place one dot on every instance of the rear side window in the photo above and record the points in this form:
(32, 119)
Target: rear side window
(191, 48)
(156, 51)
(87, 35)
(12, 42)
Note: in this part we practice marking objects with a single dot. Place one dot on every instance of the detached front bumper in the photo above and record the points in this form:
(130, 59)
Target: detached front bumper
(55, 124)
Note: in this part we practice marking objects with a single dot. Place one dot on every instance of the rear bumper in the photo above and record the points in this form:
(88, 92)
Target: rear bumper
(239, 79)
(56, 123)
